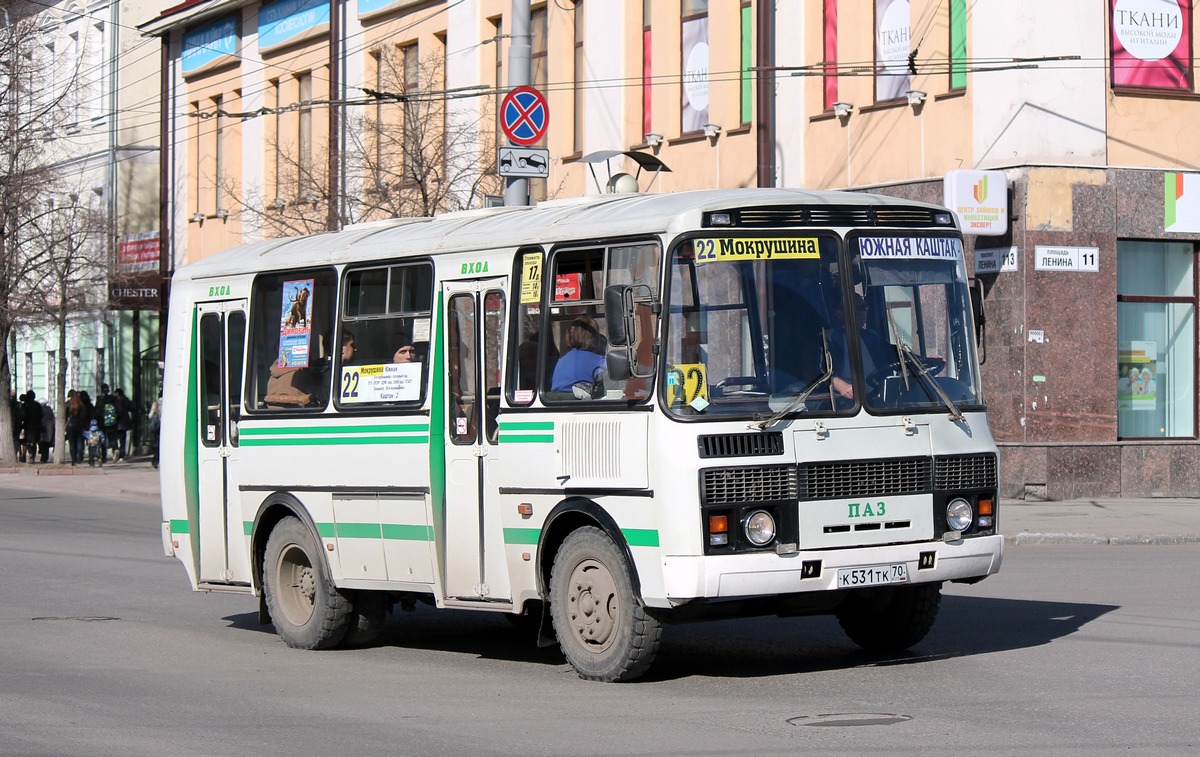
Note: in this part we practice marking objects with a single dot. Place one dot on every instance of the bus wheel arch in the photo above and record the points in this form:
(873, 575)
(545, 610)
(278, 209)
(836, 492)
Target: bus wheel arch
(307, 610)
(593, 598)
(570, 515)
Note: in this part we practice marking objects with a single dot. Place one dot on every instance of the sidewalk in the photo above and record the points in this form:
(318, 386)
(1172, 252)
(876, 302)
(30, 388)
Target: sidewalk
(1079, 521)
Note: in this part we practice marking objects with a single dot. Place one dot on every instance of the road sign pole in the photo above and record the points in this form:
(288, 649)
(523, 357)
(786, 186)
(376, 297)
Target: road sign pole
(516, 189)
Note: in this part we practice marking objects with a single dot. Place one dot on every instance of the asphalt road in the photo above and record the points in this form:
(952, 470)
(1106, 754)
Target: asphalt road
(1069, 650)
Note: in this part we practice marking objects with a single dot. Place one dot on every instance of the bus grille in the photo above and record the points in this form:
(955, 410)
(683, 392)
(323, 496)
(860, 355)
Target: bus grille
(965, 472)
(722, 486)
(865, 478)
(741, 445)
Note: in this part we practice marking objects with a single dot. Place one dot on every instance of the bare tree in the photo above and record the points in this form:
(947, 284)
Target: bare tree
(29, 111)
(407, 155)
(69, 241)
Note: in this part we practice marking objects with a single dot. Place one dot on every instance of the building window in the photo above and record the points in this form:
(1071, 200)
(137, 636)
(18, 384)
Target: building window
(694, 65)
(830, 38)
(539, 71)
(410, 63)
(958, 44)
(1156, 340)
(497, 23)
(647, 70)
(304, 135)
(747, 93)
(580, 75)
(218, 152)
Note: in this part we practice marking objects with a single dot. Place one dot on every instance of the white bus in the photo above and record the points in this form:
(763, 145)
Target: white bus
(620, 412)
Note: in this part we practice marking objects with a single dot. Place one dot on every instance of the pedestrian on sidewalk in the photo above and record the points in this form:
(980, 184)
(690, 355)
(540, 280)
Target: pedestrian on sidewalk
(155, 423)
(107, 418)
(31, 426)
(14, 420)
(78, 421)
(126, 416)
(95, 444)
(46, 441)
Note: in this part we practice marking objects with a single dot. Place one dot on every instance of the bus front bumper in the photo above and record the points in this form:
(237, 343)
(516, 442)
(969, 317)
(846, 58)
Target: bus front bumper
(687, 577)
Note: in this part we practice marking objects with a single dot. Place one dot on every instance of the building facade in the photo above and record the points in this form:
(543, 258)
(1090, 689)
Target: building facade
(1090, 292)
(295, 116)
(101, 147)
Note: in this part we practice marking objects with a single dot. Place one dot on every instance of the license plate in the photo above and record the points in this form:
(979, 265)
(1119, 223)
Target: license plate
(873, 575)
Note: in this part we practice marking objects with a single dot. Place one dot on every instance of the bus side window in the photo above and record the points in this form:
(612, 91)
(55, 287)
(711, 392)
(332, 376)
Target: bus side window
(290, 339)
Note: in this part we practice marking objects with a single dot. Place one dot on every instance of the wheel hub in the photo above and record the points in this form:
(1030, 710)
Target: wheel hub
(594, 606)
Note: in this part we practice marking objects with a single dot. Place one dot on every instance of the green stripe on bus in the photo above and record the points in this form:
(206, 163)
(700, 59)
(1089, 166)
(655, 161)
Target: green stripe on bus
(526, 438)
(635, 537)
(327, 530)
(334, 429)
(407, 533)
(526, 425)
(248, 528)
(640, 537)
(191, 443)
(359, 531)
(321, 441)
(522, 535)
(180, 527)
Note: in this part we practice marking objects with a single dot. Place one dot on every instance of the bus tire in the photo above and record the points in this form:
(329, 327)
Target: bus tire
(366, 622)
(890, 620)
(306, 609)
(603, 630)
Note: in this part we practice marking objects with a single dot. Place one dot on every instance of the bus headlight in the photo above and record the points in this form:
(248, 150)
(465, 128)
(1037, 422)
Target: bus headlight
(959, 514)
(760, 528)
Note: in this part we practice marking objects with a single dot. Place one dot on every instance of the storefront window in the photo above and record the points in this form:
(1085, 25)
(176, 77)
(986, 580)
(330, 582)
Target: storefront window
(1156, 340)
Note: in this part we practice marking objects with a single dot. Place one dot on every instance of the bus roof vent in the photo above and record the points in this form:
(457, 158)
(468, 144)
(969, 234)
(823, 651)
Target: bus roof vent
(779, 216)
(741, 445)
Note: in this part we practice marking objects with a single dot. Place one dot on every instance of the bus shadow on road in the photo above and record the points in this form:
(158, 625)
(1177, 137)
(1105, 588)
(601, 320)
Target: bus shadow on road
(750, 647)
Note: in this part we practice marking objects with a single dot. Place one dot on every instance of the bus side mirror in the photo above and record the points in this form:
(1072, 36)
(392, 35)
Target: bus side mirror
(980, 319)
(618, 311)
(624, 334)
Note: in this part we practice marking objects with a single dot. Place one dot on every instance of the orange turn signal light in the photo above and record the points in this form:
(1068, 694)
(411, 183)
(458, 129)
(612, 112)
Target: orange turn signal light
(718, 524)
(985, 507)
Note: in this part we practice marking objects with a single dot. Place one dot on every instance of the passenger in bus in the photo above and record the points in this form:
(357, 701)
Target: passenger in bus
(347, 346)
(583, 361)
(405, 353)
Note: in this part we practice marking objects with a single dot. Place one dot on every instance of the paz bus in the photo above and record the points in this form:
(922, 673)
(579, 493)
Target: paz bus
(624, 411)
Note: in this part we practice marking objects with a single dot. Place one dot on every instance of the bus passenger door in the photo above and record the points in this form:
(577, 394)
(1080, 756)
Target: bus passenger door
(222, 344)
(474, 555)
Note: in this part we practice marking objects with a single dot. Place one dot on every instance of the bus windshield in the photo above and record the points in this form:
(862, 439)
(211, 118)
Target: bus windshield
(762, 327)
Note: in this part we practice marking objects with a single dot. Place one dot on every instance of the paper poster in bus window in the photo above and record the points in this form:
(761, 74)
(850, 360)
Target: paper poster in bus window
(295, 324)
(389, 382)
(568, 286)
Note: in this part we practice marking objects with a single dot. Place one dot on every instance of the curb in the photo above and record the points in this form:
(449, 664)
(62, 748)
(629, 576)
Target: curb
(1027, 537)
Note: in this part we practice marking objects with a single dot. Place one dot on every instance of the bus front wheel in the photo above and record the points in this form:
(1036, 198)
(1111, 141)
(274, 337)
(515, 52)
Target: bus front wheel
(603, 630)
(308, 612)
(892, 619)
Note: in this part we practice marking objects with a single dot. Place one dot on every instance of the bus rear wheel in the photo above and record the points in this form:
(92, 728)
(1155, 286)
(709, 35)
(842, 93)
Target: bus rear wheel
(308, 612)
(890, 620)
(603, 630)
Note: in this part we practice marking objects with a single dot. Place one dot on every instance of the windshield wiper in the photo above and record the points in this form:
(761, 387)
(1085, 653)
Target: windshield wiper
(799, 399)
(923, 372)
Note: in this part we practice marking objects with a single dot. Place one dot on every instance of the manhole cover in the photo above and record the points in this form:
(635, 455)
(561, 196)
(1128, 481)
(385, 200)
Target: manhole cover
(847, 719)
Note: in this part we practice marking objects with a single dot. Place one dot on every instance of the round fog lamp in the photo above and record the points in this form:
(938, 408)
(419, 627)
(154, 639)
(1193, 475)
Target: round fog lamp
(760, 528)
(959, 515)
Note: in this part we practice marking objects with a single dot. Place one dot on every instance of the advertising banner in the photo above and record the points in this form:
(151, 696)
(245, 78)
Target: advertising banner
(138, 252)
(295, 324)
(1150, 43)
(286, 21)
(1137, 375)
(695, 75)
(892, 29)
(209, 46)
